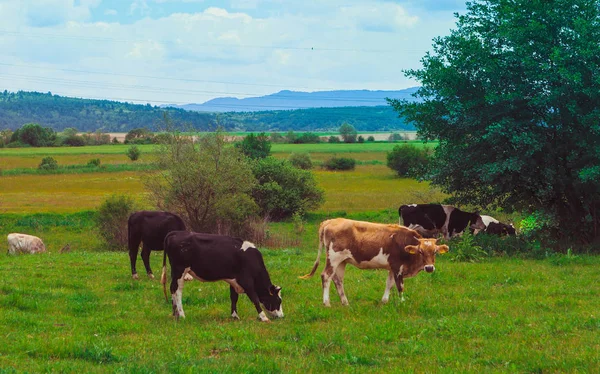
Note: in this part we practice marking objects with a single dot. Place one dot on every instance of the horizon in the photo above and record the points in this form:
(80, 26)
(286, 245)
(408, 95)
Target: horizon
(191, 51)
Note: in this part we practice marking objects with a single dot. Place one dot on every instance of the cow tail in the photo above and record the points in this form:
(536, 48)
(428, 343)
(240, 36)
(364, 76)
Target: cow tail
(321, 244)
(163, 276)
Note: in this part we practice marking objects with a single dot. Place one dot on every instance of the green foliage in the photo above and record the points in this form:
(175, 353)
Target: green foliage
(74, 141)
(339, 163)
(139, 136)
(69, 131)
(48, 163)
(512, 97)
(361, 139)
(348, 133)
(34, 135)
(255, 147)
(5, 136)
(207, 182)
(465, 249)
(283, 189)
(95, 162)
(301, 160)
(334, 139)
(307, 138)
(407, 160)
(133, 153)
(371, 138)
(395, 137)
(111, 220)
(276, 138)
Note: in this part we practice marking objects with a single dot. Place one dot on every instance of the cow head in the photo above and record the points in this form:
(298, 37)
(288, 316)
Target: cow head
(272, 301)
(509, 229)
(427, 249)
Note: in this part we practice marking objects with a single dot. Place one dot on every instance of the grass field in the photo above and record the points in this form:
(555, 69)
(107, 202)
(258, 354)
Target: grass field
(81, 312)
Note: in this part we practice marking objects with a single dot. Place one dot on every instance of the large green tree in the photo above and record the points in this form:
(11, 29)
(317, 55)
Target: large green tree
(513, 96)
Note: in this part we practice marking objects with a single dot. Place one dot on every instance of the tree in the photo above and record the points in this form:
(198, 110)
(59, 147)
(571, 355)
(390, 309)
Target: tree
(206, 182)
(255, 146)
(513, 96)
(407, 160)
(348, 133)
(139, 136)
(133, 153)
(34, 135)
(283, 189)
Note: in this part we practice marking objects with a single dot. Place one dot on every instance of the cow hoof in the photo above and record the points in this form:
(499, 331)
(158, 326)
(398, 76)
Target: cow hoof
(234, 315)
(328, 305)
(135, 276)
(150, 275)
(384, 301)
(188, 277)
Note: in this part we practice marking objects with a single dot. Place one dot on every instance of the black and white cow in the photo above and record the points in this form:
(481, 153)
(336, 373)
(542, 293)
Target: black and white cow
(446, 219)
(149, 228)
(495, 227)
(210, 258)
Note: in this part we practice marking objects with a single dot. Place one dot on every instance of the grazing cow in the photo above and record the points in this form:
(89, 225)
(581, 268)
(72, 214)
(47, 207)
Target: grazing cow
(449, 220)
(495, 227)
(23, 243)
(210, 258)
(400, 250)
(149, 228)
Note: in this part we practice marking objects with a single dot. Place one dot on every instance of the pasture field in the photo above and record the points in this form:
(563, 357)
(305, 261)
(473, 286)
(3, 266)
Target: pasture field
(81, 312)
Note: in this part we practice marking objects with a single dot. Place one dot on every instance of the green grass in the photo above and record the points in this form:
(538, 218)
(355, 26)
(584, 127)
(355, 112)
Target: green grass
(80, 169)
(86, 150)
(81, 312)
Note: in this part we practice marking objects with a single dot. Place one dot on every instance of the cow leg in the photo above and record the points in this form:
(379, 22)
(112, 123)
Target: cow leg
(251, 292)
(177, 282)
(133, 252)
(326, 281)
(146, 259)
(388, 286)
(234, 298)
(399, 283)
(338, 280)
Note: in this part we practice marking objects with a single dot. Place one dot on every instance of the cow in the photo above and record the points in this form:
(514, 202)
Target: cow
(23, 243)
(495, 227)
(149, 228)
(398, 249)
(210, 258)
(450, 221)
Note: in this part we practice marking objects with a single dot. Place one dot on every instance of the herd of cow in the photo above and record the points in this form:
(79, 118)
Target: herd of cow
(402, 250)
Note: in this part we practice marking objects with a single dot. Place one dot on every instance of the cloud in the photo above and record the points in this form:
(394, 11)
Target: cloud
(110, 12)
(47, 13)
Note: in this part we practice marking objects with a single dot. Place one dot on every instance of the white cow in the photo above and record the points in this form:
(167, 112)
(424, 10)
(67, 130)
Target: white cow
(23, 243)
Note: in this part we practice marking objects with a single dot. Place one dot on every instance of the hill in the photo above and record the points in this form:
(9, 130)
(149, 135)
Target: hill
(59, 112)
(286, 100)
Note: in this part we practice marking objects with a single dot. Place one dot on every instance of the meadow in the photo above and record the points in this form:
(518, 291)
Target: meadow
(81, 311)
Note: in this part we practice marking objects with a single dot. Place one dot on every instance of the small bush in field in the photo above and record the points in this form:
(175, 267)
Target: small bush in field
(48, 163)
(465, 249)
(111, 220)
(95, 162)
(371, 138)
(340, 163)
(301, 160)
(133, 153)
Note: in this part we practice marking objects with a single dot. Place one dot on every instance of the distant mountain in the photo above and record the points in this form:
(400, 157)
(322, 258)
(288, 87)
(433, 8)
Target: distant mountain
(286, 100)
(59, 112)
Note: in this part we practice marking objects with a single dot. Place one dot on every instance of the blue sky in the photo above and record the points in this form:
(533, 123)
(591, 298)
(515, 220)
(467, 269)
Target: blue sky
(189, 51)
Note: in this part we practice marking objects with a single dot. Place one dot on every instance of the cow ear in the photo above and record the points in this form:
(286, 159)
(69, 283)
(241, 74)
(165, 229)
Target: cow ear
(442, 248)
(412, 249)
(273, 290)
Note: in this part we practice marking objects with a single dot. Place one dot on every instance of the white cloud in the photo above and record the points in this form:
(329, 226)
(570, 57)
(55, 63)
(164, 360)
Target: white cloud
(110, 12)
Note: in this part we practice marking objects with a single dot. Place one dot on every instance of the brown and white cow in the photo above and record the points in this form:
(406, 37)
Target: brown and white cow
(400, 250)
(23, 243)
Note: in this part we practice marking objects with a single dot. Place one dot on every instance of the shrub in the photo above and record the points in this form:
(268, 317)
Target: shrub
(255, 146)
(95, 162)
(111, 220)
(74, 141)
(301, 160)
(395, 137)
(163, 138)
(283, 190)
(116, 141)
(133, 153)
(348, 133)
(308, 137)
(276, 138)
(339, 163)
(408, 161)
(464, 249)
(334, 139)
(48, 163)
(34, 135)
(361, 139)
(371, 138)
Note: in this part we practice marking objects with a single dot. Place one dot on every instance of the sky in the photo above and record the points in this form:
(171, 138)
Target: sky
(190, 51)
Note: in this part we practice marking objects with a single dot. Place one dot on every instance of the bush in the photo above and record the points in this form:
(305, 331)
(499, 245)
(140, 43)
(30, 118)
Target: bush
(111, 220)
(48, 163)
(361, 139)
(395, 137)
(334, 139)
(283, 190)
(408, 161)
(371, 138)
(307, 138)
(74, 141)
(340, 163)
(34, 135)
(464, 249)
(95, 162)
(133, 153)
(255, 146)
(301, 160)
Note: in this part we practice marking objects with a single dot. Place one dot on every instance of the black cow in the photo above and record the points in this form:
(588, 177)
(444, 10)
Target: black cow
(149, 228)
(209, 258)
(447, 219)
(495, 227)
